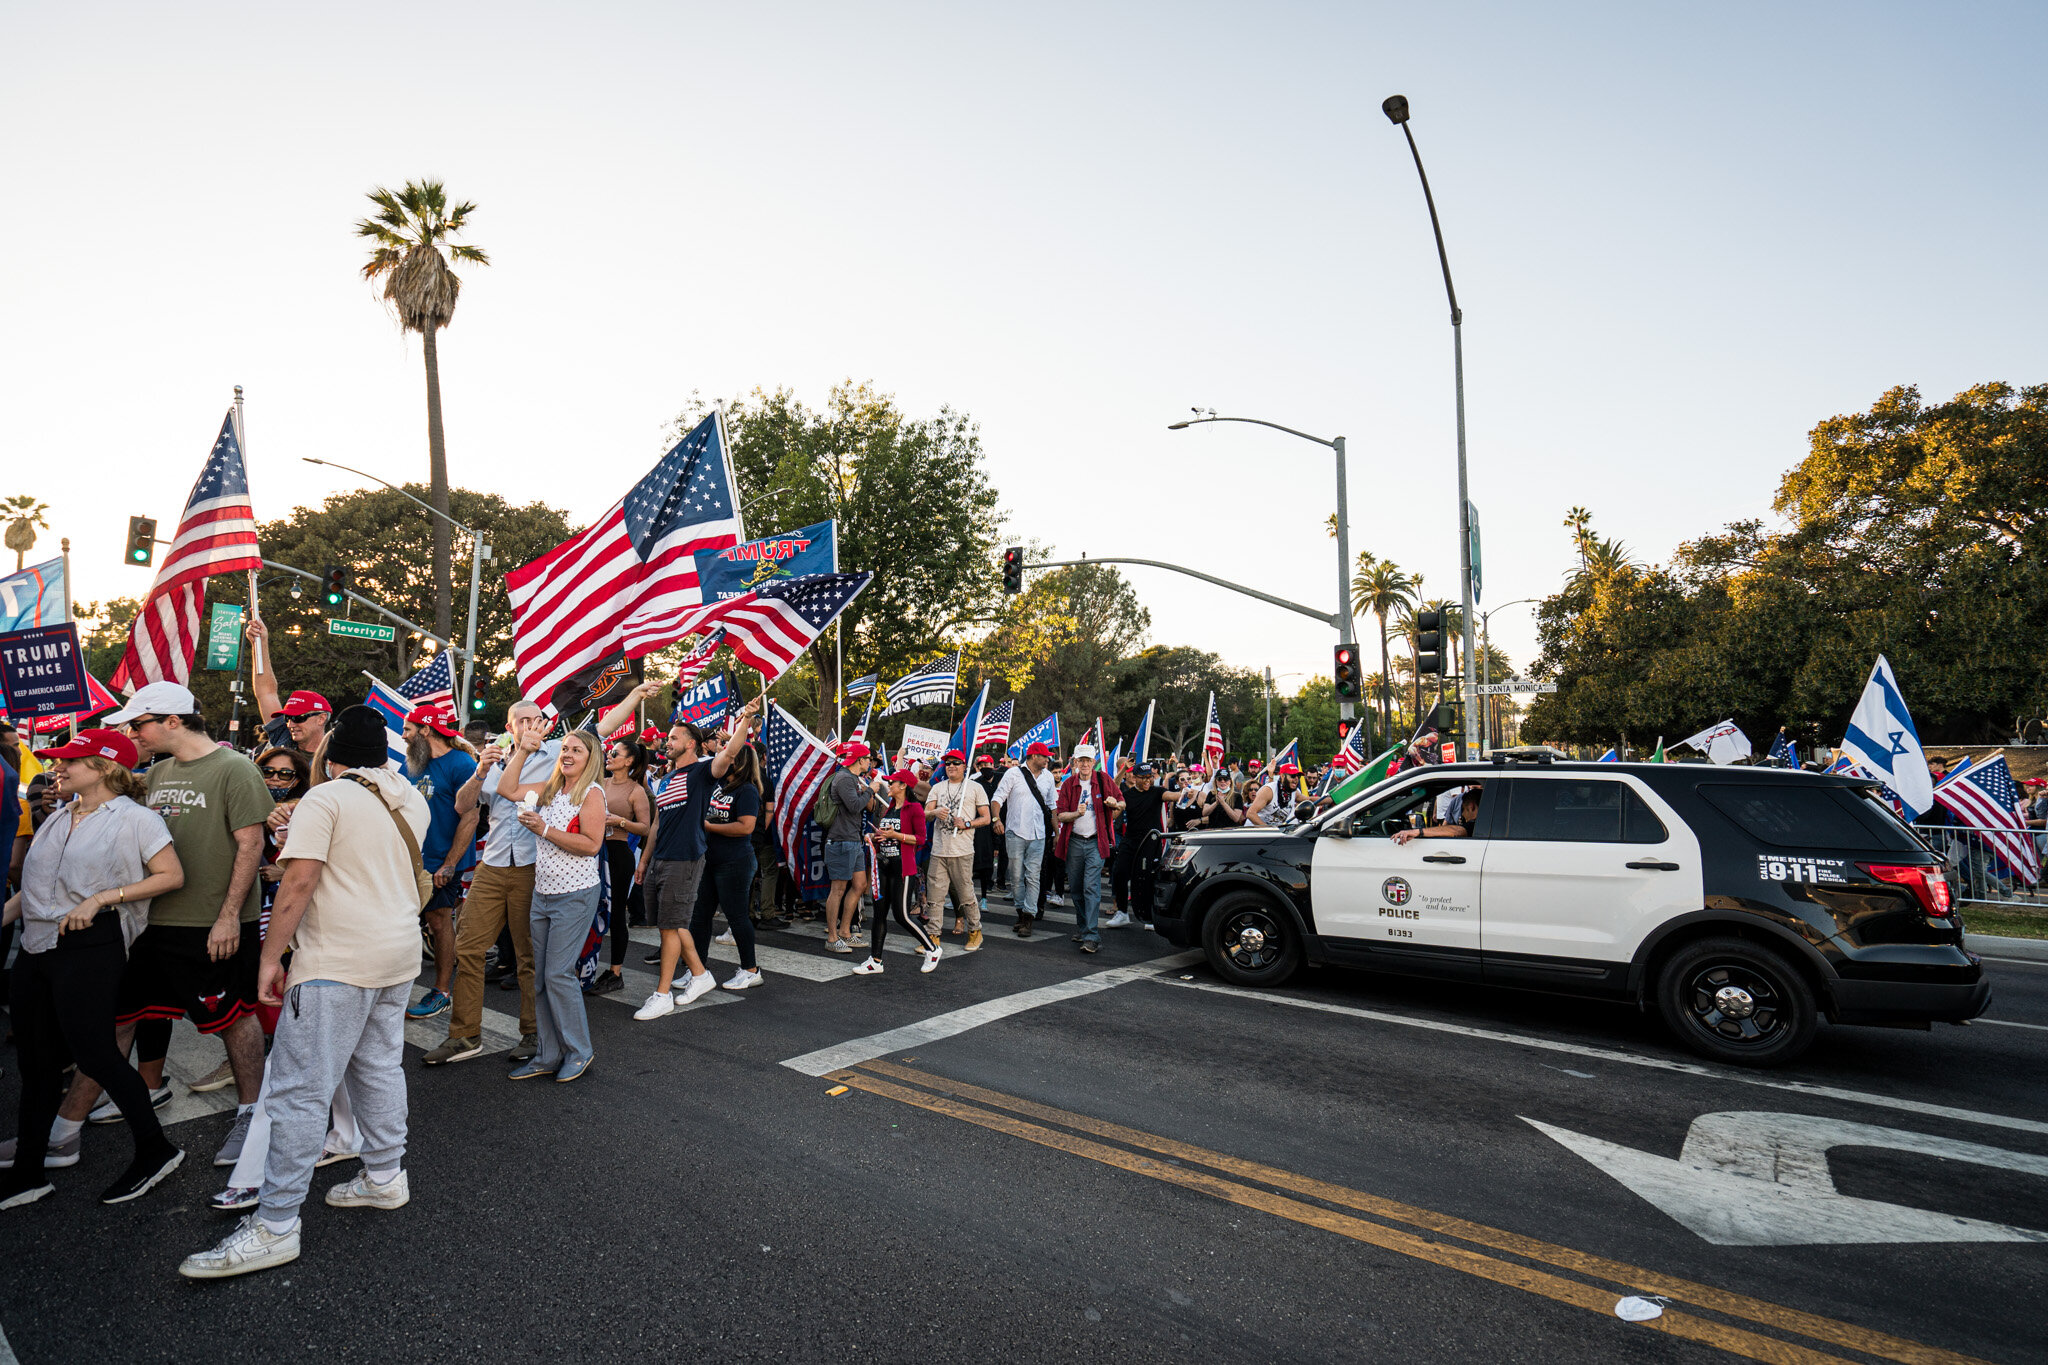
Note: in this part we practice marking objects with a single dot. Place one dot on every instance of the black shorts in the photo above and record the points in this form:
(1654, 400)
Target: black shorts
(170, 976)
(447, 897)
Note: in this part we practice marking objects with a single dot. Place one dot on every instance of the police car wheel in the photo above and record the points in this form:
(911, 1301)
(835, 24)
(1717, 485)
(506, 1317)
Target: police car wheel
(1737, 1001)
(1250, 941)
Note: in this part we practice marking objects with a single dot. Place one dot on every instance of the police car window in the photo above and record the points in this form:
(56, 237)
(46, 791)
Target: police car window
(1587, 811)
(1396, 808)
(1788, 815)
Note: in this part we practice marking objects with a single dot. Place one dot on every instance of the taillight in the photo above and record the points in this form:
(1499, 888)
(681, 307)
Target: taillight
(1927, 884)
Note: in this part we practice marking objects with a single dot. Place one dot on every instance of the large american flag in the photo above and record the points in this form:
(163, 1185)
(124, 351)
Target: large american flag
(1985, 798)
(768, 627)
(1351, 757)
(569, 607)
(1212, 736)
(433, 684)
(800, 764)
(995, 726)
(217, 534)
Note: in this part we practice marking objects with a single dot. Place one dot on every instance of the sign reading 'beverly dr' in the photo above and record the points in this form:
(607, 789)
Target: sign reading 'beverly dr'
(42, 671)
(361, 630)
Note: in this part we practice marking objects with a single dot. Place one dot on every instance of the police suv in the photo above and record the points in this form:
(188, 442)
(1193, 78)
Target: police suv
(1741, 903)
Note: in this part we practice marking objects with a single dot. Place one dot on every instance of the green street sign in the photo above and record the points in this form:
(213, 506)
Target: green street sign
(1472, 529)
(361, 630)
(224, 638)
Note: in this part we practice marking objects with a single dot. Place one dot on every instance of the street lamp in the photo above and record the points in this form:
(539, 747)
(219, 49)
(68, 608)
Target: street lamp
(1486, 663)
(1396, 109)
(1345, 630)
(479, 551)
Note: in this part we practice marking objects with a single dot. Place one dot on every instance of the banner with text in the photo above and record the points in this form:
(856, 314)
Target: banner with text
(42, 671)
(919, 742)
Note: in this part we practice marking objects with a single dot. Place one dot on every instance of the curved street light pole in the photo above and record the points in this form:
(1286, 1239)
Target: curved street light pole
(1396, 109)
(1486, 664)
(479, 550)
(1346, 631)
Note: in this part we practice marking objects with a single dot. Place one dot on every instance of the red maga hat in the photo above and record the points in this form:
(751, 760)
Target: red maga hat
(96, 744)
(1036, 749)
(305, 704)
(435, 719)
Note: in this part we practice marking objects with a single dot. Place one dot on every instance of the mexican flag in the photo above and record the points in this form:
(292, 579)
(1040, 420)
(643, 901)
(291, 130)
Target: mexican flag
(1371, 773)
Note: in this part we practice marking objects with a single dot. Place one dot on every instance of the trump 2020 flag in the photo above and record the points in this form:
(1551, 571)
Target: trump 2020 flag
(1882, 739)
(734, 569)
(1046, 732)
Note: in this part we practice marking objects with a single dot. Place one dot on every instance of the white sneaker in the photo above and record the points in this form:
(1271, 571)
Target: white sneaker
(106, 1111)
(727, 939)
(699, 987)
(743, 979)
(931, 959)
(1120, 920)
(871, 967)
(1056, 899)
(251, 1246)
(365, 1193)
(658, 1004)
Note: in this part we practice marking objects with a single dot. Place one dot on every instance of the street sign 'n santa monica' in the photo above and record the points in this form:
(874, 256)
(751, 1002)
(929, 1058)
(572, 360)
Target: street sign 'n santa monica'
(1508, 685)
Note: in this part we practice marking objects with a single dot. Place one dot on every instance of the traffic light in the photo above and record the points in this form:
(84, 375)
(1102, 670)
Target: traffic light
(1448, 718)
(141, 540)
(1429, 642)
(478, 702)
(1013, 569)
(334, 585)
(1344, 731)
(1344, 671)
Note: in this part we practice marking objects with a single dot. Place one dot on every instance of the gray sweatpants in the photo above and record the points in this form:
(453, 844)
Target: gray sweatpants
(328, 1031)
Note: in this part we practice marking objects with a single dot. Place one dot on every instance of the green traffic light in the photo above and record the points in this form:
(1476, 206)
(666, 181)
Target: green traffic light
(476, 703)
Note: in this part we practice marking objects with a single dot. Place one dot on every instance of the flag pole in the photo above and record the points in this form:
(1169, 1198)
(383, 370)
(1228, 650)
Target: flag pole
(65, 546)
(255, 614)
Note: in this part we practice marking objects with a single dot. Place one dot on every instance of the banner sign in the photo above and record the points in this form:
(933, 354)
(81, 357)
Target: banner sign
(704, 705)
(42, 671)
(224, 638)
(753, 564)
(919, 742)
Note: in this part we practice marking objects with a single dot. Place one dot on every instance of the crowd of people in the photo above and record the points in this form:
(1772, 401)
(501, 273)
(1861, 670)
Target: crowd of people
(286, 900)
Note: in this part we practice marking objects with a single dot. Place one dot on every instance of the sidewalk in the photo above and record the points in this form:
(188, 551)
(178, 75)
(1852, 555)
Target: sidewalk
(2022, 949)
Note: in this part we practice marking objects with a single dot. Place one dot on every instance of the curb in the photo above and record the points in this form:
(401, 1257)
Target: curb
(2026, 949)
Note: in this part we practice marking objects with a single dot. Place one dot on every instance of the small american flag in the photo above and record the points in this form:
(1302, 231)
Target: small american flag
(1351, 757)
(217, 534)
(995, 726)
(770, 627)
(697, 660)
(800, 764)
(1984, 797)
(570, 605)
(1212, 737)
(433, 685)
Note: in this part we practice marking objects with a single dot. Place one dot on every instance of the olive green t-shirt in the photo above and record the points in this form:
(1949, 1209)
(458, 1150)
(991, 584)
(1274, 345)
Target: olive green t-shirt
(204, 801)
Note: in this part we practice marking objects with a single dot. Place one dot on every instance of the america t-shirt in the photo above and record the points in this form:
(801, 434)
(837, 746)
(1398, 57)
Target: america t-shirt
(679, 813)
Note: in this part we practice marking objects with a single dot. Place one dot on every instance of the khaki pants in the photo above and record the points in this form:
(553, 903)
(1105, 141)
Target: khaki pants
(497, 897)
(955, 874)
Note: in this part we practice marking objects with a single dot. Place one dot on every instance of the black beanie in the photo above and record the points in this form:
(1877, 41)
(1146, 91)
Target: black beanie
(359, 739)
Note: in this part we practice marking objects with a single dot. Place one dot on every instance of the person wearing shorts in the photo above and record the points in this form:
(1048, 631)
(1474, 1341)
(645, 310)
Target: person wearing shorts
(672, 861)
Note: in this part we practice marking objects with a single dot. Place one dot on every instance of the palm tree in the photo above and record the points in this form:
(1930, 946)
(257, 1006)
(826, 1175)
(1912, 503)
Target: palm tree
(410, 228)
(1605, 558)
(27, 516)
(1380, 588)
(1579, 522)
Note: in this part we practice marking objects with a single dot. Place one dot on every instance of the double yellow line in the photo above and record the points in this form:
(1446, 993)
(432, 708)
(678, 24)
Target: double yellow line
(996, 1111)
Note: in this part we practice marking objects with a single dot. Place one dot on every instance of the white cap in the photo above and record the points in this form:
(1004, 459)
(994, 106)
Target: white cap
(1084, 751)
(155, 699)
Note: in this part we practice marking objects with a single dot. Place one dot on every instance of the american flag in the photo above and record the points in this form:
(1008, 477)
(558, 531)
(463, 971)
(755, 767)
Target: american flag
(1984, 797)
(216, 535)
(697, 660)
(570, 606)
(1212, 737)
(925, 686)
(771, 626)
(433, 684)
(995, 726)
(800, 764)
(1351, 757)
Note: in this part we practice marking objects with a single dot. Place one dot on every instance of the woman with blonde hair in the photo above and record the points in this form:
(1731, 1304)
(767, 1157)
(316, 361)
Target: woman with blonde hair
(85, 892)
(567, 815)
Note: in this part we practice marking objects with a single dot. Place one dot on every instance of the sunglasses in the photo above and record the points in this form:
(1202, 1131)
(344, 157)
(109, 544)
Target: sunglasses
(280, 774)
(141, 721)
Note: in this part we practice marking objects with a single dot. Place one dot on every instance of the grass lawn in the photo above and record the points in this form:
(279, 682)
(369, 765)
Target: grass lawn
(1985, 919)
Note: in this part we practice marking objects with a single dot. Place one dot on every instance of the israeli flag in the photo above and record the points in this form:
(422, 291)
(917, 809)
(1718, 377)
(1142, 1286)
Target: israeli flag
(1882, 738)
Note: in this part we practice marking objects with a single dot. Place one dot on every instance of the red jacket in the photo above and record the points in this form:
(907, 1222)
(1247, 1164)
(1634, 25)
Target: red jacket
(1100, 790)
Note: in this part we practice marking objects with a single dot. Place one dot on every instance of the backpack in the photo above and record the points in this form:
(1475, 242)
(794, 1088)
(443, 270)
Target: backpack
(826, 808)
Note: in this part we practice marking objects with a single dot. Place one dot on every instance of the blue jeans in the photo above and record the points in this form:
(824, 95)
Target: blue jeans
(560, 926)
(1027, 858)
(1084, 880)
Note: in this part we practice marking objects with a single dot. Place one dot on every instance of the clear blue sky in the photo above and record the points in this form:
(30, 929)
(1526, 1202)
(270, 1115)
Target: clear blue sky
(1681, 237)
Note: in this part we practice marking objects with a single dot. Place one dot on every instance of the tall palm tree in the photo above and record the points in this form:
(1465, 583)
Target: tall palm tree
(1605, 558)
(410, 228)
(24, 515)
(1580, 522)
(1381, 588)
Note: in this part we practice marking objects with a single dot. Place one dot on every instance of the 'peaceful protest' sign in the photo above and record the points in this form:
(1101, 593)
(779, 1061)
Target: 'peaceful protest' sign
(42, 671)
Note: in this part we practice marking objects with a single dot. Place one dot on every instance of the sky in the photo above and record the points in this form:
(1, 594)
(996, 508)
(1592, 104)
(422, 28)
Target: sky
(1681, 237)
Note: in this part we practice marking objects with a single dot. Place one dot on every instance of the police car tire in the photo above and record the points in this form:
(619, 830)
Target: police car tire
(1778, 1014)
(1251, 941)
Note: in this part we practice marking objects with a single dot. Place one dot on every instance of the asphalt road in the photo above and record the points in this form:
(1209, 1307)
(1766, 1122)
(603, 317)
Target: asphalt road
(1130, 1162)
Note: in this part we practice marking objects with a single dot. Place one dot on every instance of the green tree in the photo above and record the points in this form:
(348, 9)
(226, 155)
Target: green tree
(24, 516)
(410, 228)
(1381, 587)
(914, 505)
(1063, 645)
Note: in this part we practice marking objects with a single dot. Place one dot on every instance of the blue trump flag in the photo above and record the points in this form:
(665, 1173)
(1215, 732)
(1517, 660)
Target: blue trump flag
(754, 564)
(1046, 732)
(33, 597)
(703, 705)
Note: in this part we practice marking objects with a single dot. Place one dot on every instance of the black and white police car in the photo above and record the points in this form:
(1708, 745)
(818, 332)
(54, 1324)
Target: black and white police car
(1741, 903)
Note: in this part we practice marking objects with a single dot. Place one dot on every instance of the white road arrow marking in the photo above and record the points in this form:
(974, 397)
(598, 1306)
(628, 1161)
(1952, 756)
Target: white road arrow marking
(1758, 1179)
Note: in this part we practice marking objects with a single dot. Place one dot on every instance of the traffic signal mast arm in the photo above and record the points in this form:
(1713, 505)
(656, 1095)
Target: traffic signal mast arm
(355, 596)
(1334, 622)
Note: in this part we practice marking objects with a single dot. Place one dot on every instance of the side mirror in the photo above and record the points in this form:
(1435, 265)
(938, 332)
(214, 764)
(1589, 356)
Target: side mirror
(1338, 829)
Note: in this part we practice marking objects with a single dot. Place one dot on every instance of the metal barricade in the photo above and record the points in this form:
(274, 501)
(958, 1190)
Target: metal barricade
(1984, 867)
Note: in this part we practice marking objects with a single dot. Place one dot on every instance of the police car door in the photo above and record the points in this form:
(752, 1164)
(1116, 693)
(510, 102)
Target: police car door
(1415, 904)
(1581, 868)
